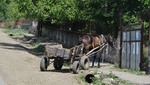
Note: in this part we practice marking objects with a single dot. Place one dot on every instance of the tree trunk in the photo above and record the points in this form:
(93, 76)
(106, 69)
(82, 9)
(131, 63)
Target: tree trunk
(90, 28)
(39, 28)
(148, 69)
(116, 27)
(117, 21)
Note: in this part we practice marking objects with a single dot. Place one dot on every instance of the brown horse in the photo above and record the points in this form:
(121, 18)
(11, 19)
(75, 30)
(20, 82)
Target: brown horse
(91, 42)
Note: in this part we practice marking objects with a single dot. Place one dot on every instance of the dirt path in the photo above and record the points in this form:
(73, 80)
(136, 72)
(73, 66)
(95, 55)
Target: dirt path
(18, 67)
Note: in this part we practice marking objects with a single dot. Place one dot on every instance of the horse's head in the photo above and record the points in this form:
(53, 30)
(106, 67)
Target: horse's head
(109, 40)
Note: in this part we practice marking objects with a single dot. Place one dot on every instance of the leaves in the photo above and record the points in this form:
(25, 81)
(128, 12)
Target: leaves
(99, 13)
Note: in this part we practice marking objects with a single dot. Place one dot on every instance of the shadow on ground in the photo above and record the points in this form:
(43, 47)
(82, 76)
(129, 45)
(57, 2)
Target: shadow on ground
(11, 46)
(65, 70)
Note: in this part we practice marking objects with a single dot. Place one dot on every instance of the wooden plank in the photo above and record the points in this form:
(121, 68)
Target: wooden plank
(67, 54)
(60, 52)
(52, 51)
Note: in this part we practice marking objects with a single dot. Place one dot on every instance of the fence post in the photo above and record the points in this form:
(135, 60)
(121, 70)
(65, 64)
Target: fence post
(148, 69)
(148, 57)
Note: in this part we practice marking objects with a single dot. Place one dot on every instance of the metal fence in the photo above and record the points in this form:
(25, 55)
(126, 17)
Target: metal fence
(132, 48)
(67, 38)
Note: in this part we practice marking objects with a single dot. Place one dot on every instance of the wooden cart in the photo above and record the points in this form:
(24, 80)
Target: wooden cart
(74, 56)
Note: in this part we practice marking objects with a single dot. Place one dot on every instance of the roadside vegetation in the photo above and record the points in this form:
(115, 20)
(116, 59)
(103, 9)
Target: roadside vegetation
(127, 70)
(101, 79)
(15, 32)
(38, 47)
(145, 58)
(19, 33)
(144, 64)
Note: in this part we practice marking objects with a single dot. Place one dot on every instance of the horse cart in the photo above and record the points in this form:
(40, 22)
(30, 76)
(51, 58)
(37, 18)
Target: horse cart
(75, 57)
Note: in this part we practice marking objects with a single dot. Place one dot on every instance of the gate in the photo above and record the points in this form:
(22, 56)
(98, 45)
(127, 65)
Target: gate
(132, 48)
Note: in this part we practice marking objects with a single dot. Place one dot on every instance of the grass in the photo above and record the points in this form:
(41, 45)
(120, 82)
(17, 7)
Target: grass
(15, 32)
(39, 47)
(132, 71)
(81, 79)
(128, 70)
(145, 58)
(66, 63)
(19, 33)
(98, 81)
(93, 71)
(123, 82)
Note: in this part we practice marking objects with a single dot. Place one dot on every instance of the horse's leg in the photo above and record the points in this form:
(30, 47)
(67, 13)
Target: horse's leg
(93, 61)
(99, 58)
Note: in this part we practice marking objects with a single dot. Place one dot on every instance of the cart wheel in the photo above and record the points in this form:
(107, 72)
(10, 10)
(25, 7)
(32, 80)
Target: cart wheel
(44, 63)
(75, 67)
(58, 64)
(84, 62)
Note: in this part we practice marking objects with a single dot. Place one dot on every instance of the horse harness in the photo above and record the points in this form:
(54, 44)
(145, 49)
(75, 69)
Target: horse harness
(104, 42)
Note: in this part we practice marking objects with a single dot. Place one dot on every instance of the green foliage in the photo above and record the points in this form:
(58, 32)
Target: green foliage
(102, 15)
(16, 32)
(111, 75)
(93, 71)
(129, 70)
(132, 71)
(39, 47)
(13, 12)
(63, 11)
(129, 20)
(32, 9)
(3, 7)
(66, 63)
(97, 81)
(116, 65)
(145, 59)
(81, 79)
(120, 81)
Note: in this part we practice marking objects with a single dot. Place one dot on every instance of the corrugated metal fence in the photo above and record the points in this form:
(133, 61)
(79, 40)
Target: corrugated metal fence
(132, 49)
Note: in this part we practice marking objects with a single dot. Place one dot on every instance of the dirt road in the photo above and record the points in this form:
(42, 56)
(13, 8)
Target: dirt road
(18, 67)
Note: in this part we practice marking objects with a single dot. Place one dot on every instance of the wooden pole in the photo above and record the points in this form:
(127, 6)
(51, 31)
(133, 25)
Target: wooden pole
(148, 58)
(148, 69)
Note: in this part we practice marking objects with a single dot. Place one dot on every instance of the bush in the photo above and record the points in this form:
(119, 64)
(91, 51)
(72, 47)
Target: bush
(39, 48)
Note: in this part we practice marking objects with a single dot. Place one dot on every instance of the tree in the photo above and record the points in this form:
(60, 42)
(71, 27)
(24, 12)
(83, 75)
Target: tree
(3, 6)
(30, 9)
(101, 16)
